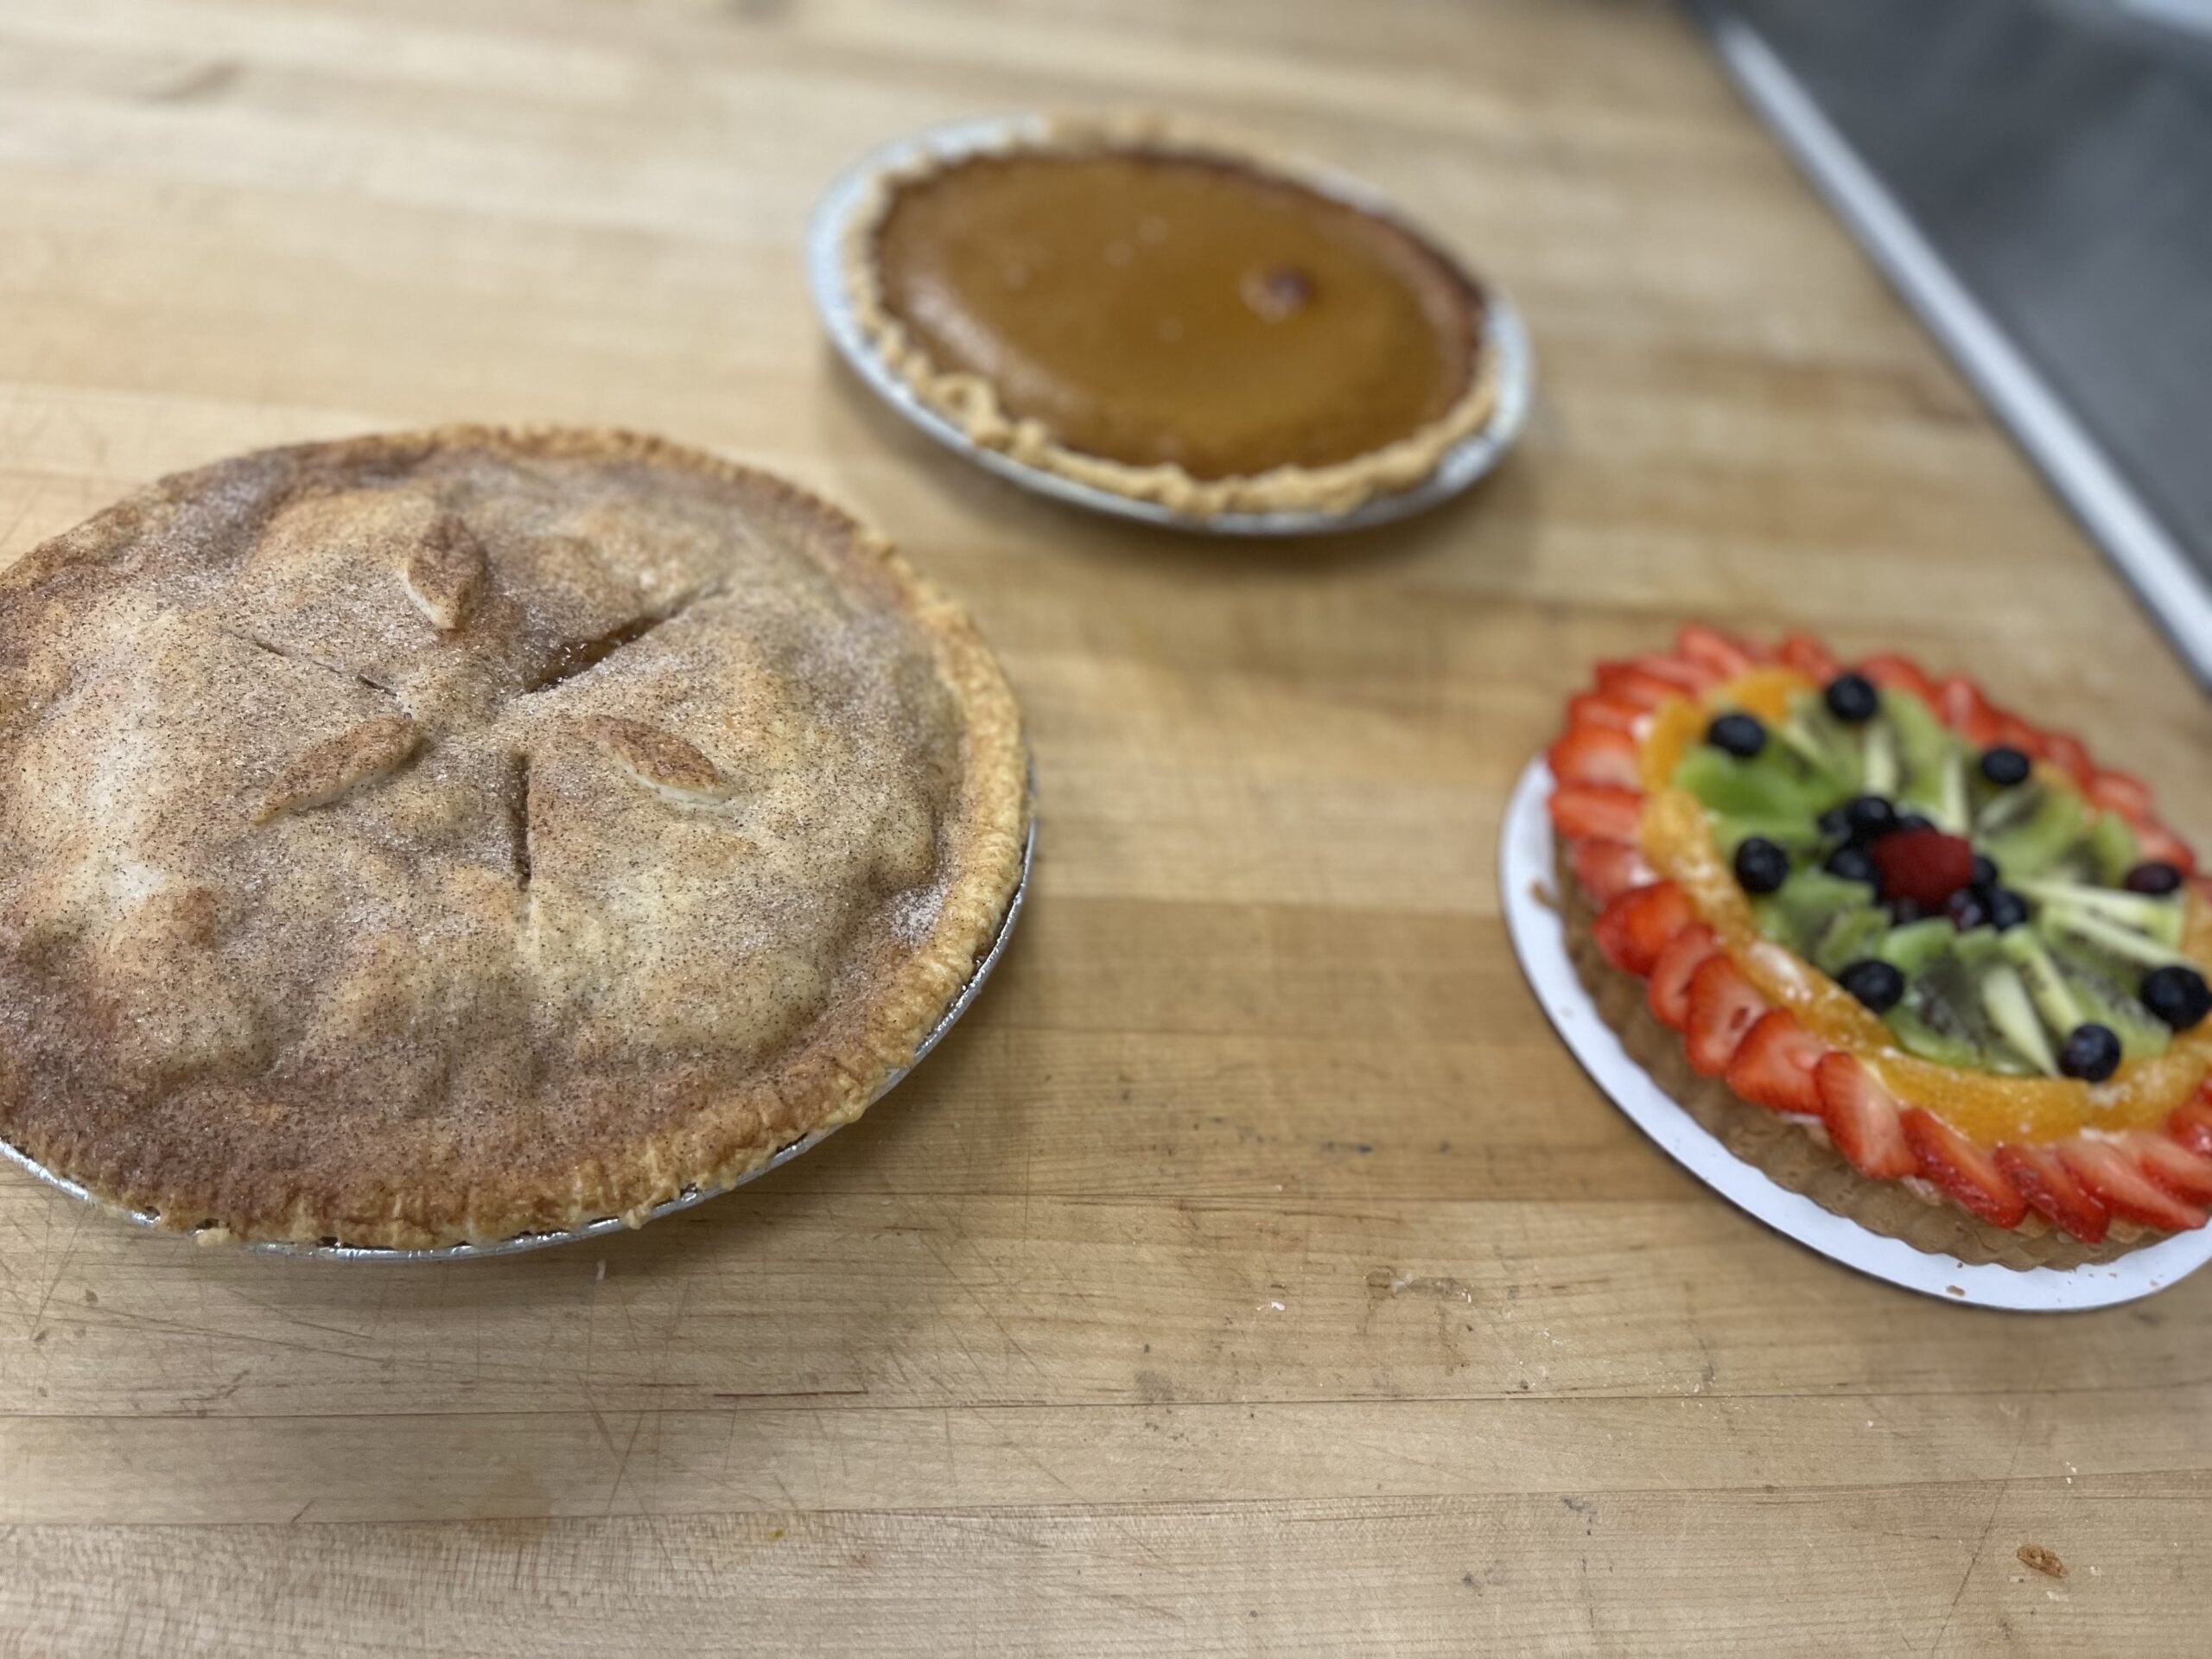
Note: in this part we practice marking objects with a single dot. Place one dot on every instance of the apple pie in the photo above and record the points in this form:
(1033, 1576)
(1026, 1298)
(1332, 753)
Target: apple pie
(448, 836)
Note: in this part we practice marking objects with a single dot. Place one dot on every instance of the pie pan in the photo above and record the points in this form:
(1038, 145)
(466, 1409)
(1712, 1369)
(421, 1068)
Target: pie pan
(1505, 343)
(342, 1252)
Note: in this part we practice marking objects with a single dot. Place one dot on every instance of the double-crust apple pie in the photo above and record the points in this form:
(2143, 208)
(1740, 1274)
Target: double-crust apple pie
(445, 836)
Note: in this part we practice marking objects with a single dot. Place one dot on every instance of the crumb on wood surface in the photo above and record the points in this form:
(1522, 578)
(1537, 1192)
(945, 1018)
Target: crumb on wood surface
(2043, 1561)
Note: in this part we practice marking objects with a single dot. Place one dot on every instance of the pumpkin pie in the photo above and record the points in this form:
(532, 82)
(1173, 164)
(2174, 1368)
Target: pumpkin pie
(1906, 951)
(1170, 318)
(447, 836)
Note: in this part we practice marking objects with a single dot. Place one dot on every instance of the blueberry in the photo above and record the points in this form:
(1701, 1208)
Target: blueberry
(2004, 767)
(1741, 735)
(1760, 865)
(2005, 908)
(1853, 864)
(2091, 1052)
(1984, 871)
(1913, 821)
(2176, 995)
(1836, 823)
(2154, 876)
(1870, 818)
(1905, 911)
(1966, 909)
(1875, 982)
(1852, 698)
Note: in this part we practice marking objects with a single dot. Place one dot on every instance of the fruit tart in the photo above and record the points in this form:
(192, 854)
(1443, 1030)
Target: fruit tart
(1906, 953)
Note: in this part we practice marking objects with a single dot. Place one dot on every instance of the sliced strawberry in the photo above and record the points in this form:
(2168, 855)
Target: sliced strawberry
(1773, 1065)
(1667, 990)
(2065, 752)
(2155, 840)
(2191, 1122)
(1965, 710)
(1862, 1117)
(1607, 869)
(2114, 1177)
(1809, 658)
(2054, 1192)
(1925, 866)
(1692, 675)
(1596, 755)
(1591, 709)
(1723, 1007)
(1724, 654)
(1968, 1173)
(1632, 684)
(1605, 811)
(1900, 673)
(2118, 792)
(1634, 928)
(2186, 1174)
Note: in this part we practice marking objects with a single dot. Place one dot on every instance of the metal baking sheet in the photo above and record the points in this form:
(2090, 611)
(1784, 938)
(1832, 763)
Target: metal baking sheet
(1532, 919)
(607, 1224)
(1505, 342)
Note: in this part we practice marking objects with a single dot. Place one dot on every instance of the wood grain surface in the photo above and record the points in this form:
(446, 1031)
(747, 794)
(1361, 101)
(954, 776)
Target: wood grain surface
(1252, 1272)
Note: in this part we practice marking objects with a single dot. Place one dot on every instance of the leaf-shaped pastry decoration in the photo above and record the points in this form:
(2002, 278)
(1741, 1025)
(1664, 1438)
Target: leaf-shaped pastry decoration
(445, 572)
(660, 761)
(338, 765)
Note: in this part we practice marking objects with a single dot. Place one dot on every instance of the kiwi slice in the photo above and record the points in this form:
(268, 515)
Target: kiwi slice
(2114, 848)
(1828, 748)
(1917, 1034)
(1913, 948)
(1880, 765)
(1849, 935)
(1797, 836)
(2087, 925)
(2008, 808)
(2104, 997)
(1922, 742)
(1948, 807)
(1761, 787)
(2047, 987)
(2160, 918)
(1942, 1019)
(1799, 911)
(2004, 999)
(2026, 845)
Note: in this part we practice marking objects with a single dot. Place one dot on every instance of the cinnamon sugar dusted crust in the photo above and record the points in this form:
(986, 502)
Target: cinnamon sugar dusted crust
(973, 403)
(437, 837)
(1795, 1153)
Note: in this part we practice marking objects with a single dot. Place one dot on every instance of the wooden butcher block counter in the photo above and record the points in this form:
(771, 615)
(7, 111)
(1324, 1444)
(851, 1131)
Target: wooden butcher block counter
(1253, 1271)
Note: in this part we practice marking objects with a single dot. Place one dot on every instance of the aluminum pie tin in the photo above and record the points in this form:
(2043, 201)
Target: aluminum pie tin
(605, 1224)
(1504, 345)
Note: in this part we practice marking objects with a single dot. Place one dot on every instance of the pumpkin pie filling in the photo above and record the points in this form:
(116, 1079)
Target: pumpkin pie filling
(1172, 320)
(1155, 308)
